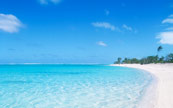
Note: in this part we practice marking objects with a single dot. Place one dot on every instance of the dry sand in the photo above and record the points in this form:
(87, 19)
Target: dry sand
(164, 89)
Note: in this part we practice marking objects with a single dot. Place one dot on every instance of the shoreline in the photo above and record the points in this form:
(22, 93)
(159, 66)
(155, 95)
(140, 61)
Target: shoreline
(149, 98)
(159, 95)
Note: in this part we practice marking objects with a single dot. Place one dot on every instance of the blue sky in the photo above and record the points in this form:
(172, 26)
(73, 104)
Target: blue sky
(83, 31)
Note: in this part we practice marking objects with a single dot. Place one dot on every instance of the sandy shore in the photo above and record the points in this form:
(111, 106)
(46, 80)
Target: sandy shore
(164, 75)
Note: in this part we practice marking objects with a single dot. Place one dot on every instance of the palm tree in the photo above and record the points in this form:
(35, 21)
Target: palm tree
(119, 60)
(159, 49)
(169, 58)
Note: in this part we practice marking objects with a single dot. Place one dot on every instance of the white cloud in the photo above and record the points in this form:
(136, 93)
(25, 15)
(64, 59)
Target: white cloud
(168, 20)
(166, 37)
(107, 12)
(9, 23)
(127, 27)
(101, 43)
(105, 25)
(170, 28)
(49, 1)
(171, 15)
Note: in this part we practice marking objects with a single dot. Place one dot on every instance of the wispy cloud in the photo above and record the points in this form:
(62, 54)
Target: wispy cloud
(9, 23)
(105, 25)
(166, 37)
(127, 27)
(101, 43)
(171, 15)
(168, 20)
(45, 2)
(107, 12)
(170, 28)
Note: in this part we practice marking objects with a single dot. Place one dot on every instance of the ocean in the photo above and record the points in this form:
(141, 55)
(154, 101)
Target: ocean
(71, 86)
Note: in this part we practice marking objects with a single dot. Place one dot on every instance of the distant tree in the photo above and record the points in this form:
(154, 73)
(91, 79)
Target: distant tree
(156, 59)
(119, 60)
(152, 59)
(124, 61)
(135, 60)
(143, 61)
(159, 49)
(161, 59)
(169, 58)
(147, 60)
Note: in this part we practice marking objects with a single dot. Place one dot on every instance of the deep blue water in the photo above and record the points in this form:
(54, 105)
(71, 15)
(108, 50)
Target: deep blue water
(71, 86)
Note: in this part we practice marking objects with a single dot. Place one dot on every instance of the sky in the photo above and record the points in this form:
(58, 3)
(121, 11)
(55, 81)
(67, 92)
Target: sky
(83, 31)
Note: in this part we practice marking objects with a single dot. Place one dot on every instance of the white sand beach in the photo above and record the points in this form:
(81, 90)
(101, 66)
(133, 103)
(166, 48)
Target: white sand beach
(164, 89)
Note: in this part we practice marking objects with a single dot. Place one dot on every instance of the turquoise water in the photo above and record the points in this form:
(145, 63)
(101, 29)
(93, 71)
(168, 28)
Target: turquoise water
(71, 86)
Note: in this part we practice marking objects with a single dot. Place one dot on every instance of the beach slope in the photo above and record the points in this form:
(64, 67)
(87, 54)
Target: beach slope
(164, 74)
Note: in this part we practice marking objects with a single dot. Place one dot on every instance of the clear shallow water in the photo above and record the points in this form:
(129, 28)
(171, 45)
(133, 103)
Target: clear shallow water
(71, 86)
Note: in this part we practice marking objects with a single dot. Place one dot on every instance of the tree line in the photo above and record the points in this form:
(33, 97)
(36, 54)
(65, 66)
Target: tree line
(148, 59)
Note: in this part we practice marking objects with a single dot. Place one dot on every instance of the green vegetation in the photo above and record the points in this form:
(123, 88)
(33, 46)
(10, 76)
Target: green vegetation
(159, 49)
(118, 61)
(147, 60)
(169, 58)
